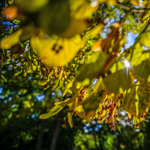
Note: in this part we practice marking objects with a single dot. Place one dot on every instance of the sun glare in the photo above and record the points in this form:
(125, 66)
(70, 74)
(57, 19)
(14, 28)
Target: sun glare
(127, 64)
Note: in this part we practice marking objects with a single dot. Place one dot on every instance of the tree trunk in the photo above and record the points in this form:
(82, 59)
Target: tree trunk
(40, 136)
(55, 135)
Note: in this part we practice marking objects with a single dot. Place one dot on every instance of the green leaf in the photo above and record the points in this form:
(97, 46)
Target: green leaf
(92, 70)
(129, 101)
(117, 80)
(137, 100)
(28, 31)
(119, 65)
(54, 18)
(144, 98)
(92, 102)
(142, 71)
(52, 112)
(30, 5)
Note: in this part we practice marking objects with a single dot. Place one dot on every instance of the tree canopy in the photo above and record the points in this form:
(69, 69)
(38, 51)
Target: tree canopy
(79, 50)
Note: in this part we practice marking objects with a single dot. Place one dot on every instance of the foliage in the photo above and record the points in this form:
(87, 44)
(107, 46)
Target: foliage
(67, 45)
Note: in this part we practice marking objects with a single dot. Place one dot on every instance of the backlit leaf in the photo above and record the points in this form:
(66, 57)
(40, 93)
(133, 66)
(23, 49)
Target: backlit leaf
(70, 121)
(55, 51)
(52, 112)
(135, 2)
(117, 80)
(92, 70)
(142, 71)
(11, 40)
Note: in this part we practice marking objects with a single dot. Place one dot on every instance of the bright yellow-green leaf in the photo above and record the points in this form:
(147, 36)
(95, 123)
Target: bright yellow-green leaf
(52, 112)
(64, 103)
(145, 39)
(11, 40)
(119, 65)
(70, 121)
(99, 85)
(27, 104)
(55, 51)
(137, 55)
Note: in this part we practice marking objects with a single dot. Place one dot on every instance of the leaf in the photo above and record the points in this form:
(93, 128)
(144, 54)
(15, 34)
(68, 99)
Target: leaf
(30, 5)
(142, 71)
(75, 27)
(52, 112)
(54, 18)
(3, 78)
(118, 65)
(88, 107)
(117, 80)
(28, 31)
(70, 121)
(67, 101)
(99, 85)
(129, 101)
(81, 10)
(137, 100)
(93, 32)
(106, 44)
(11, 40)
(144, 98)
(27, 104)
(138, 55)
(92, 70)
(21, 34)
(135, 2)
(55, 51)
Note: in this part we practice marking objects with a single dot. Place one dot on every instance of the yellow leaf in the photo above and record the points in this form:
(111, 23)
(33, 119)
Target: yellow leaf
(52, 112)
(66, 102)
(135, 2)
(80, 9)
(113, 2)
(27, 104)
(70, 119)
(55, 51)
(11, 40)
